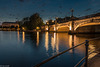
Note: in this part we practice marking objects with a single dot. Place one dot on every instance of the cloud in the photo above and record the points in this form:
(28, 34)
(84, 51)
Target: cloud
(21, 0)
(97, 11)
(88, 9)
(42, 10)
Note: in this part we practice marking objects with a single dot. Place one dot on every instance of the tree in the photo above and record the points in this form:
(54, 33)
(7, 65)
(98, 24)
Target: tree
(33, 21)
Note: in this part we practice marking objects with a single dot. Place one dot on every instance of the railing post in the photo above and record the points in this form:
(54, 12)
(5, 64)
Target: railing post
(86, 54)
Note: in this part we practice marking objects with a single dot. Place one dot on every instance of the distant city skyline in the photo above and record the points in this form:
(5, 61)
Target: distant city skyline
(14, 10)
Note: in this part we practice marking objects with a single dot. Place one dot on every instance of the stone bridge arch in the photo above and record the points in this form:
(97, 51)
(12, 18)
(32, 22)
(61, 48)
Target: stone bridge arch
(89, 22)
(63, 28)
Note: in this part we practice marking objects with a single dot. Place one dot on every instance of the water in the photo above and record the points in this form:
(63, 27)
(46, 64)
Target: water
(21, 49)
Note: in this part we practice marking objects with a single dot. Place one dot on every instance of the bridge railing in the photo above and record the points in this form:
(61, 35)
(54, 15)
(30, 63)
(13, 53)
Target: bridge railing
(84, 58)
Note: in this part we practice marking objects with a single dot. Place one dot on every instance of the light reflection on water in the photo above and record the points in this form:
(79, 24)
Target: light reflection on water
(39, 46)
(70, 42)
(46, 41)
(55, 43)
(37, 38)
(18, 35)
(23, 37)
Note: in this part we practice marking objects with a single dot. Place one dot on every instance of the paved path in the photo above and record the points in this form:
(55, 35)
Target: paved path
(95, 61)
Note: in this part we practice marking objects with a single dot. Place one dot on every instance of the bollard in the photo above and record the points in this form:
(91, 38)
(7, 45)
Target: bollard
(86, 54)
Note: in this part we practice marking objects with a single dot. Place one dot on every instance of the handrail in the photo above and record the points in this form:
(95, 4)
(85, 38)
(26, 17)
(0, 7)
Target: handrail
(86, 55)
(94, 51)
(56, 55)
(79, 61)
(93, 39)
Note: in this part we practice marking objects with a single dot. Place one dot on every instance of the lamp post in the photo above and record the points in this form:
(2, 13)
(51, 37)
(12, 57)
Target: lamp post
(56, 24)
(72, 18)
(72, 10)
(47, 28)
(48, 25)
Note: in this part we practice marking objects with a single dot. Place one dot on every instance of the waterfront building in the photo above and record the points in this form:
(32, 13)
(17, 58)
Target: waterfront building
(10, 26)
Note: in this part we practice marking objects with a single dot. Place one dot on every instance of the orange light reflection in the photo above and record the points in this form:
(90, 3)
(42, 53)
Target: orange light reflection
(23, 37)
(18, 35)
(55, 43)
(46, 40)
(37, 38)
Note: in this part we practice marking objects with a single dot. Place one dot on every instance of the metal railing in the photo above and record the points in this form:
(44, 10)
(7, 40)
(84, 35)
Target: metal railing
(84, 58)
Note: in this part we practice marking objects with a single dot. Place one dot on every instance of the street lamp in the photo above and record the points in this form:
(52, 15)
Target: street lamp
(37, 28)
(47, 23)
(72, 10)
(23, 28)
(56, 23)
(52, 20)
(72, 18)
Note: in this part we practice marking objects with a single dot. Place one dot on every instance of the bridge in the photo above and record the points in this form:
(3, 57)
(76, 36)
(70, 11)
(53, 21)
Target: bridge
(83, 25)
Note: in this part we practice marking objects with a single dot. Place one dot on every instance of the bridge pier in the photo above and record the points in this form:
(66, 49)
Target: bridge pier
(72, 28)
(72, 23)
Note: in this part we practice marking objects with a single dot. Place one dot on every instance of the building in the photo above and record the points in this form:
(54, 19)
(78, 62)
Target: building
(10, 26)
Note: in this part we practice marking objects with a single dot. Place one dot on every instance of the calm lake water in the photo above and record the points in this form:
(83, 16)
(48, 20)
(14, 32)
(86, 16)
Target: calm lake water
(21, 49)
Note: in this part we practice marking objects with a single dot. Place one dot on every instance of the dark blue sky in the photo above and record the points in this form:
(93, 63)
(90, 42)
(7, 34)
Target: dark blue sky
(12, 10)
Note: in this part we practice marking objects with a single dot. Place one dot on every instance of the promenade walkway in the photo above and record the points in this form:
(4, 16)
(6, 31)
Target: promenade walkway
(95, 61)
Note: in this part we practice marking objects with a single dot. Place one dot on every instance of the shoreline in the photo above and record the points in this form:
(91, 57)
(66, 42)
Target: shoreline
(55, 31)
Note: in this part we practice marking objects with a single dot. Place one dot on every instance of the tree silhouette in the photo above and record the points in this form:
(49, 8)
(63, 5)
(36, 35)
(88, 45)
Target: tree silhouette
(33, 21)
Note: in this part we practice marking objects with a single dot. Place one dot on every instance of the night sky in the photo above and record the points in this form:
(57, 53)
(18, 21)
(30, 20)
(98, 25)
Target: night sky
(13, 10)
